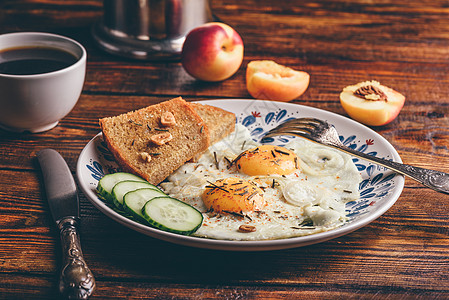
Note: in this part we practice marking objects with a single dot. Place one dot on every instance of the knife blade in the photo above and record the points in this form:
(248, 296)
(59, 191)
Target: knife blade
(59, 185)
(76, 279)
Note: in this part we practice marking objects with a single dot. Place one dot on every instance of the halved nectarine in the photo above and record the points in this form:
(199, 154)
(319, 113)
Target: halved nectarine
(371, 103)
(268, 80)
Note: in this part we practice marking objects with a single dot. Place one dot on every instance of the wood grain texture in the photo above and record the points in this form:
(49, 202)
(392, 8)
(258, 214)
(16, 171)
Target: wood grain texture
(403, 254)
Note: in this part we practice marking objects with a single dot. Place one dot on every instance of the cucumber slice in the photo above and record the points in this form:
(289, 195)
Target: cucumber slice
(107, 183)
(172, 215)
(133, 201)
(123, 187)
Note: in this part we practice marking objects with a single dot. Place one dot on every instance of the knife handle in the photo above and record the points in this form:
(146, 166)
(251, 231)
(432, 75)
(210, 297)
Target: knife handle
(76, 281)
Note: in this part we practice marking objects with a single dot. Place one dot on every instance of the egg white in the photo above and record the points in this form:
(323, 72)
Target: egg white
(309, 201)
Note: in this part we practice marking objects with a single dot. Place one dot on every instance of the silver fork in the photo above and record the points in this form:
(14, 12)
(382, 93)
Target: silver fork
(323, 133)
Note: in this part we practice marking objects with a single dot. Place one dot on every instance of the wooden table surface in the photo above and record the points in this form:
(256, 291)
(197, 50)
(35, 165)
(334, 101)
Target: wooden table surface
(403, 254)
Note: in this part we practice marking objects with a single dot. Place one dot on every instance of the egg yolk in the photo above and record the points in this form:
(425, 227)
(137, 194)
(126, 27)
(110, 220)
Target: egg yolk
(233, 195)
(267, 160)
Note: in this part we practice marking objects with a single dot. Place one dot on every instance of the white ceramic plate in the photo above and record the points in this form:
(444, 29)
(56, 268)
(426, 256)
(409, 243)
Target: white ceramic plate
(379, 189)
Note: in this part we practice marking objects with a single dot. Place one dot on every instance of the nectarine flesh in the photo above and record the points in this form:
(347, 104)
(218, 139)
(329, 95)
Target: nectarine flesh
(371, 103)
(265, 79)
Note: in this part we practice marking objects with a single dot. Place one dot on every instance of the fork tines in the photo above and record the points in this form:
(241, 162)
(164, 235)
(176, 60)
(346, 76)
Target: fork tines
(304, 127)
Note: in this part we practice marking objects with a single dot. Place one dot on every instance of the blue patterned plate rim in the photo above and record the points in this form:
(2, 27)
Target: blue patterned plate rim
(379, 189)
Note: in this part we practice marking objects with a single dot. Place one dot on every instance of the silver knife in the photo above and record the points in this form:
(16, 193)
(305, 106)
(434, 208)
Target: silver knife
(76, 280)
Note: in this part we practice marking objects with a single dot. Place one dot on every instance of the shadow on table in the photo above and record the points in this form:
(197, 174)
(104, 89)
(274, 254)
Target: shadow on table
(130, 255)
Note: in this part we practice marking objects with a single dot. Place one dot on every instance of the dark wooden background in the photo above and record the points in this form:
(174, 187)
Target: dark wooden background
(404, 254)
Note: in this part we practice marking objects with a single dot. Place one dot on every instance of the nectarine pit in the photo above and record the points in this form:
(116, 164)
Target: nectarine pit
(366, 90)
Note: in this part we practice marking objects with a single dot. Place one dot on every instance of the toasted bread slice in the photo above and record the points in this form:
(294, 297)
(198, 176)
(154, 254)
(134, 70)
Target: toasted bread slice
(129, 138)
(219, 121)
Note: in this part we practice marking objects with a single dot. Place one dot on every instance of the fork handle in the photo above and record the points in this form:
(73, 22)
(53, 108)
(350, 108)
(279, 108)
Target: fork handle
(436, 180)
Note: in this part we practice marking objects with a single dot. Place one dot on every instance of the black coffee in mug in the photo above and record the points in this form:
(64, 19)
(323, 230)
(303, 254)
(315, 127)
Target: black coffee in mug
(34, 60)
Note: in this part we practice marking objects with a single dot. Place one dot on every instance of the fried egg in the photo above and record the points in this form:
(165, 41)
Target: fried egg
(267, 160)
(250, 191)
(233, 195)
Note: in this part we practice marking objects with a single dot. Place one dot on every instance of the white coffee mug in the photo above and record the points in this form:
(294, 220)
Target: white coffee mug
(37, 102)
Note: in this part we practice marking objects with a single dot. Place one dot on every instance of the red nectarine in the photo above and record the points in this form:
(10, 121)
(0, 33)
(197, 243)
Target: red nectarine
(212, 52)
(371, 103)
(268, 80)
